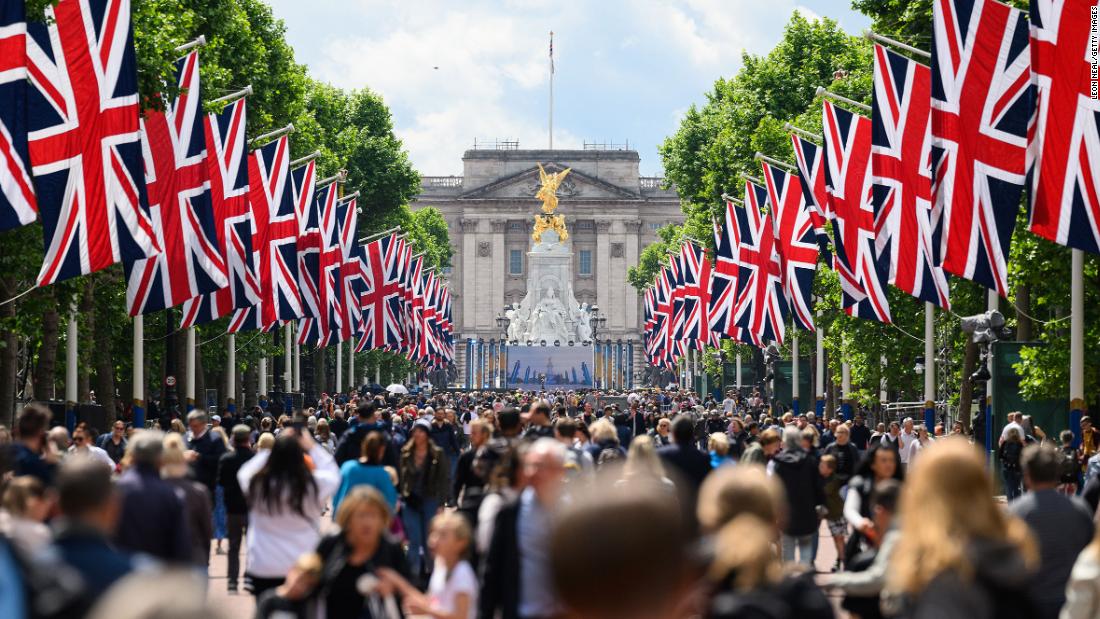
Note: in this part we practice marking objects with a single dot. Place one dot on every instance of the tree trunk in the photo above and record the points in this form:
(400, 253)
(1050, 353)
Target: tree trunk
(1024, 326)
(966, 387)
(45, 382)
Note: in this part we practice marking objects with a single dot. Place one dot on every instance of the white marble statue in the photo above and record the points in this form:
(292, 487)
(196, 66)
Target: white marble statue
(584, 326)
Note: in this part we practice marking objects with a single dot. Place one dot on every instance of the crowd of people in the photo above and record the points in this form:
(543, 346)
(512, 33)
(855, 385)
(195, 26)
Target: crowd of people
(533, 505)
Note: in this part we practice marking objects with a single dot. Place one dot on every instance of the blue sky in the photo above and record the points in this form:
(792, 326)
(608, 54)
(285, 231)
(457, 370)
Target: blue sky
(452, 71)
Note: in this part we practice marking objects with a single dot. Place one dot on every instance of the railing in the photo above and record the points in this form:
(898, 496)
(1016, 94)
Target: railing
(651, 182)
(497, 144)
(442, 181)
(606, 145)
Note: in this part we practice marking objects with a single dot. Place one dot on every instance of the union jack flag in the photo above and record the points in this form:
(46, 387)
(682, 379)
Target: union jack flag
(414, 302)
(795, 242)
(177, 182)
(351, 269)
(901, 170)
(447, 326)
(981, 105)
(761, 309)
(722, 309)
(679, 289)
(697, 276)
(84, 138)
(811, 176)
(429, 336)
(227, 164)
(668, 348)
(848, 177)
(381, 317)
(277, 223)
(303, 181)
(319, 254)
(1065, 143)
(18, 206)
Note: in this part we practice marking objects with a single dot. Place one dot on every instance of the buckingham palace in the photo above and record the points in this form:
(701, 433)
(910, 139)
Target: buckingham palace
(611, 214)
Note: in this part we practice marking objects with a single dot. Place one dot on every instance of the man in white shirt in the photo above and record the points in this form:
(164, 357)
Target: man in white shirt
(1014, 419)
(82, 447)
(727, 404)
(905, 440)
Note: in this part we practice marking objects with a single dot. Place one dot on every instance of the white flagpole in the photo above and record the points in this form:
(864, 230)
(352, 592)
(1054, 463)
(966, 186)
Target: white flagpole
(231, 372)
(351, 367)
(263, 376)
(71, 381)
(139, 371)
(189, 371)
(819, 390)
(551, 90)
(794, 372)
(339, 367)
(1077, 343)
(297, 363)
(288, 361)
(929, 366)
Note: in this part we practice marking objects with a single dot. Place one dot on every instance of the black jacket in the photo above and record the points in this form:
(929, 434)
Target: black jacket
(797, 470)
(210, 449)
(691, 464)
(997, 590)
(437, 475)
(351, 444)
(500, 579)
(794, 597)
(228, 465)
(153, 518)
(847, 459)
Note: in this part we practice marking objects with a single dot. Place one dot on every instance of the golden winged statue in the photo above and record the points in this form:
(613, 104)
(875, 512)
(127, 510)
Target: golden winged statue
(548, 193)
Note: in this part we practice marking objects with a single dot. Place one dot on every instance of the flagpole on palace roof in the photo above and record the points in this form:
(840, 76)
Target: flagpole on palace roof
(551, 135)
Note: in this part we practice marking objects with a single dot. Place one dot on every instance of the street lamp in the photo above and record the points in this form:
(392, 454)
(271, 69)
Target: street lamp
(502, 325)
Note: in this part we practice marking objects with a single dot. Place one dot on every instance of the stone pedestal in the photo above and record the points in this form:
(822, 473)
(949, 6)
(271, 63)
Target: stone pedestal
(549, 311)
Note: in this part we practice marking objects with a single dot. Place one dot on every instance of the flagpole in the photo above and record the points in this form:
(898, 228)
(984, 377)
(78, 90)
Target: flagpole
(233, 96)
(297, 363)
(794, 372)
(189, 369)
(809, 135)
(822, 91)
(231, 372)
(288, 361)
(929, 366)
(819, 406)
(1077, 344)
(139, 371)
(339, 367)
(71, 382)
(551, 90)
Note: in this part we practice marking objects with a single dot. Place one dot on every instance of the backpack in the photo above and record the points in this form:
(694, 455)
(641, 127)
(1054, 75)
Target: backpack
(1069, 466)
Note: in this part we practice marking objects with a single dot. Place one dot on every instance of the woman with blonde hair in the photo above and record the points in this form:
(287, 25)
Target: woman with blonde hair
(748, 580)
(731, 491)
(959, 553)
(196, 498)
(362, 546)
(643, 464)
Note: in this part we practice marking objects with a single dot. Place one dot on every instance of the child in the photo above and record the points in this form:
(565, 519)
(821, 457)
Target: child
(452, 590)
(1071, 466)
(293, 598)
(834, 507)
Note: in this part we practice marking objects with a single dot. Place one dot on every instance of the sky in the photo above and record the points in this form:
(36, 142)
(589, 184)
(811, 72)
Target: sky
(459, 70)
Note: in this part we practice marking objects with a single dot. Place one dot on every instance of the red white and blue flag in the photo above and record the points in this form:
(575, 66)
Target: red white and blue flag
(811, 176)
(848, 178)
(726, 271)
(762, 308)
(380, 300)
(697, 275)
(303, 182)
(177, 182)
(795, 241)
(18, 206)
(351, 269)
(901, 170)
(1065, 145)
(84, 138)
(277, 223)
(227, 165)
(982, 102)
(318, 254)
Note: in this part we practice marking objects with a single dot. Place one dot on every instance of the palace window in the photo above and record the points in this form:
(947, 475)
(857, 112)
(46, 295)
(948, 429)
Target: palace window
(585, 225)
(585, 257)
(515, 262)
